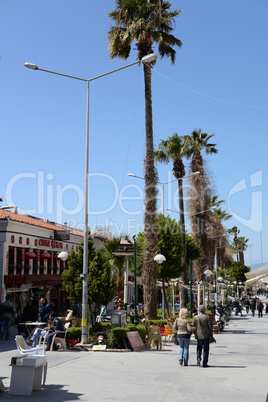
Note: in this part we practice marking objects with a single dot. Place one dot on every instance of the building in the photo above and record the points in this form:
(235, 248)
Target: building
(29, 261)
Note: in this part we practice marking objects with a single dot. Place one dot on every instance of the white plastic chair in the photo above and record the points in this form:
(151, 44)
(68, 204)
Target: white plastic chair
(61, 342)
(25, 349)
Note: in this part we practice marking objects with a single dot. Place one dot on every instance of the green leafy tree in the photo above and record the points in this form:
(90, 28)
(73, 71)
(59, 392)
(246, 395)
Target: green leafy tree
(118, 267)
(145, 23)
(71, 276)
(170, 245)
(101, 282)
(237, 272)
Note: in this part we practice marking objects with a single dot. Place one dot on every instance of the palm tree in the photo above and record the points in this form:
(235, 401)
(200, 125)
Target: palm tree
(146, 23)
(201, 192)
(174, 149)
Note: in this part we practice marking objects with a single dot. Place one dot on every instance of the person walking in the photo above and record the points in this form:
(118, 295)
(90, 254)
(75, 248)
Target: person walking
(45, 310)
(247, 305)
(184, 330)
(7, 312)
(253, 307)
(259, 308)
(204, 329)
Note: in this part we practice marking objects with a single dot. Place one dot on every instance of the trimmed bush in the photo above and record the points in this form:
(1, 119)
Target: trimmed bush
(118, 335)
(73, 333)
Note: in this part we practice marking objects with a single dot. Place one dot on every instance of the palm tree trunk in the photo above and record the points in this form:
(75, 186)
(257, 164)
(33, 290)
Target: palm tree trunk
(184, 291)
(150, 268)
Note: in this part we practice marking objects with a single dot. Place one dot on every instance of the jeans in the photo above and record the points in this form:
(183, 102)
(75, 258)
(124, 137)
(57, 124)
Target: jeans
(203, 343)
(50, 337)
(184, 349)
(36, 335)
(5, 322)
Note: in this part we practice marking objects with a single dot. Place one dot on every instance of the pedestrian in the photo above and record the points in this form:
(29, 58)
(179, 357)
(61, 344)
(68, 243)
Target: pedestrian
(184, 330)
(204, 329)
(253, 307)
(29, 313)
(7, 312)
(247, 305)
(259, 308)
(266, 308)
(45, 310)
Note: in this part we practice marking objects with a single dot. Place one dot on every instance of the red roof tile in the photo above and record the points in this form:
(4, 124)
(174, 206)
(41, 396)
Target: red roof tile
(31, 220)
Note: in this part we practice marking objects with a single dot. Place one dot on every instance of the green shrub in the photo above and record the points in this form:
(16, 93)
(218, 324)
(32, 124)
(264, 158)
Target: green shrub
(73, 333)
(160, 323)
(118, 335)
(99, 327)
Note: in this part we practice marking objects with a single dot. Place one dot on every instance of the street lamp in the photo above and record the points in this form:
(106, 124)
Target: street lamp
(208, 273)
(160, 258)
(163, 184)
(146, 59)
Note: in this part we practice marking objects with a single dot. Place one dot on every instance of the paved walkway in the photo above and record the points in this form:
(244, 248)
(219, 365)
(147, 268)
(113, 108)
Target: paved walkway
(238, 371)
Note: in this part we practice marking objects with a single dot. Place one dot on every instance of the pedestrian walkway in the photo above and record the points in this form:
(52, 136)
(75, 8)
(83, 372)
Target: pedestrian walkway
(238, 371)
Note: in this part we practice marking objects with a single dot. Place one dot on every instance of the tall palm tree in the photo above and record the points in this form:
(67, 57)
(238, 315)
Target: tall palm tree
(201, 192)
(146, 23)
(174, 149)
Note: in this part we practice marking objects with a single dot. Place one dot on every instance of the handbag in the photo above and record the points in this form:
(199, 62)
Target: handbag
(212, 339)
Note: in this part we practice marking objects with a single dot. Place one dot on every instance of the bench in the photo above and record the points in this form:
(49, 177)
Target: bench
(27, 373)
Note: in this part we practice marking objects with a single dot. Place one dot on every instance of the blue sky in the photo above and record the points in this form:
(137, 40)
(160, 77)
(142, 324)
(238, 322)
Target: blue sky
(218, 83)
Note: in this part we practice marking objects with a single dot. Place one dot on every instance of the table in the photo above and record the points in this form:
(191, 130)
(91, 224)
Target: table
(31, 326)
(27, 373)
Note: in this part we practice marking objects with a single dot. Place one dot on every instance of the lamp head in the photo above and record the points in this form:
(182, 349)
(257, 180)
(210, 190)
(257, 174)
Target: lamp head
(63, 255)
(31, 66)
(149, 58)
(159, 258)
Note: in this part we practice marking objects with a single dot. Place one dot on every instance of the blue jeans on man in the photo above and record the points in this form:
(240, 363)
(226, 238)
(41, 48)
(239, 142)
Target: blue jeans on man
(5, 322)
(203, 343)
(36, 335)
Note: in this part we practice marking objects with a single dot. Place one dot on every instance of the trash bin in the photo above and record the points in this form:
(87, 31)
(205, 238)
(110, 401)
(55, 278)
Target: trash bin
(118, 318)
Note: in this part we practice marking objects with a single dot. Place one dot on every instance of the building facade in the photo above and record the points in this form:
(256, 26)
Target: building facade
(29, 259)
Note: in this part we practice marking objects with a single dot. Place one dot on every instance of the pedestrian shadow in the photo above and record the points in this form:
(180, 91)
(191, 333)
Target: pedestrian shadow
(236, 331)
(47, 392)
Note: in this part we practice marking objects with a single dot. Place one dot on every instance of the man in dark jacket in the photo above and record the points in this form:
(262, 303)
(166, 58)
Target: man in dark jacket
(55, 327)
(45, 310)
(7, 312)
(204, 328)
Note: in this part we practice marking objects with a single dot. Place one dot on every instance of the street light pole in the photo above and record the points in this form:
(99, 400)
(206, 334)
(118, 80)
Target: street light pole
(163, 184)
(135, 281)
(146, 59)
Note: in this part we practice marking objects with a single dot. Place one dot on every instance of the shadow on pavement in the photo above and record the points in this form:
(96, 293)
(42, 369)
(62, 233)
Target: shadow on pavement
(46, 393)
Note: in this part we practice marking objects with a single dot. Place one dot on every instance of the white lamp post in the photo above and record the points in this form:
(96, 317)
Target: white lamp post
(160, 258)
(146, 59)
(208, 273)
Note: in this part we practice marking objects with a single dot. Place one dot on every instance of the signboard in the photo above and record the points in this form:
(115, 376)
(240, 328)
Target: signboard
(61, 235)
(135, 340)
(14, 279)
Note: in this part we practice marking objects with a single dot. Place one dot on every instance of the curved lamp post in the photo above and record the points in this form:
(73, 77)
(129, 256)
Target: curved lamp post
(146, 59)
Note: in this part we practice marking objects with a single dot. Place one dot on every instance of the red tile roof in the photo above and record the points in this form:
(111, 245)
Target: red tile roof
(31, 220)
